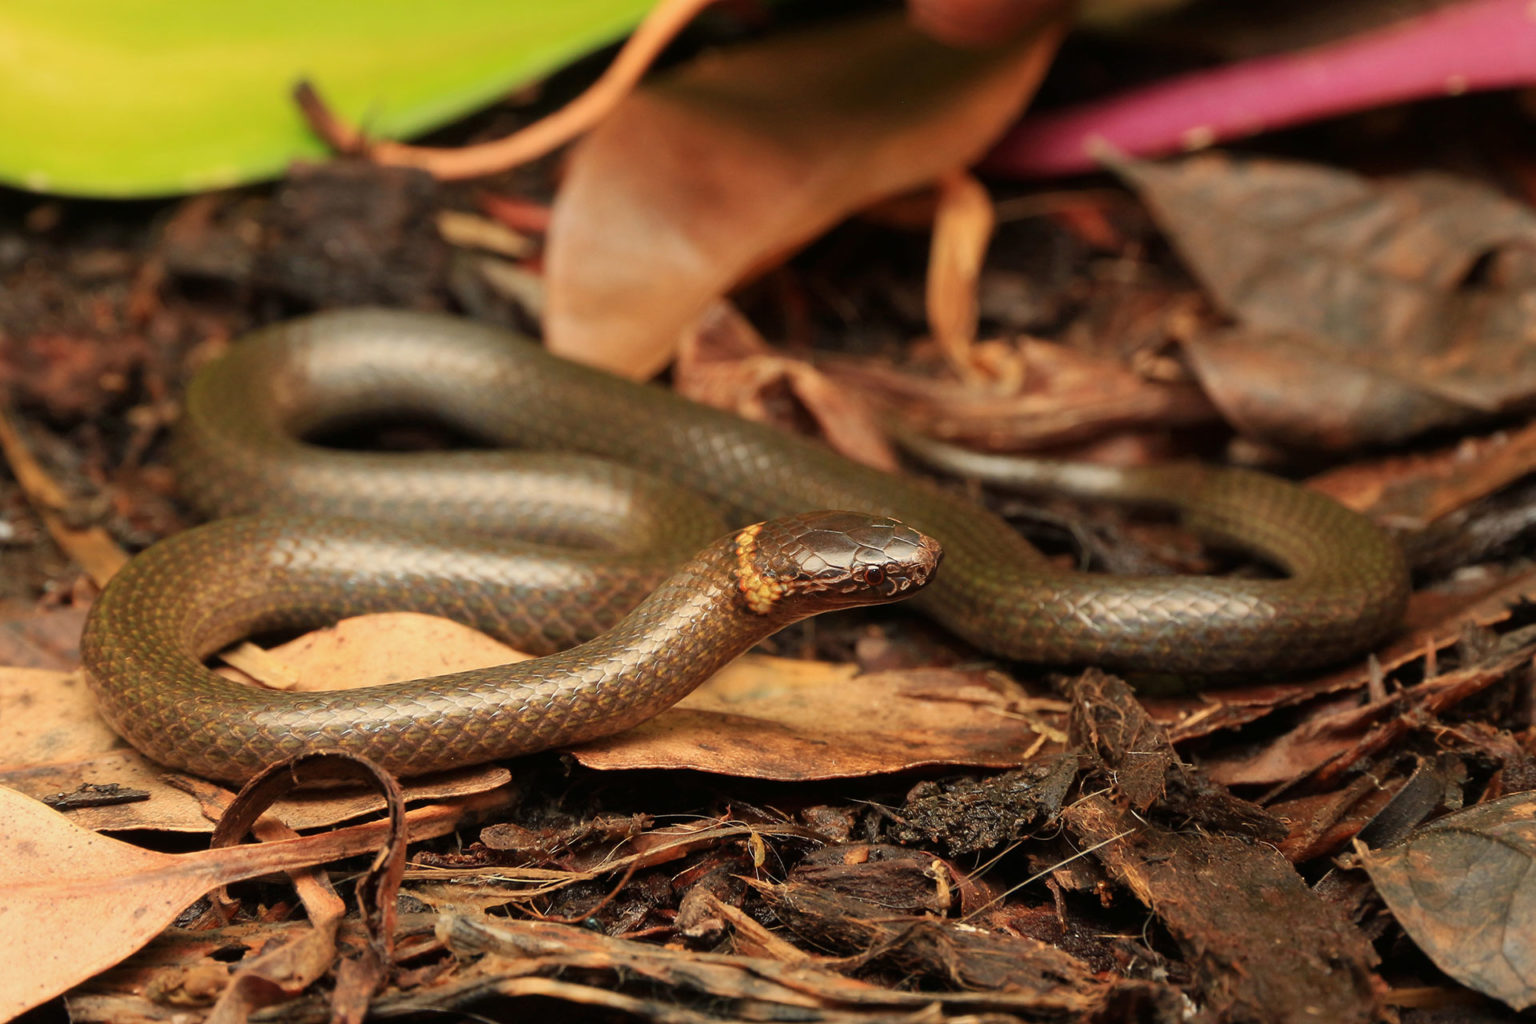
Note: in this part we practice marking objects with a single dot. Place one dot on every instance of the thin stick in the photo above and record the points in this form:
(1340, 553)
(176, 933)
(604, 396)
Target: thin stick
(650, 37)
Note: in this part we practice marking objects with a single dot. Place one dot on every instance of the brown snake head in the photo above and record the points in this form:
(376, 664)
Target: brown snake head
(820, 561)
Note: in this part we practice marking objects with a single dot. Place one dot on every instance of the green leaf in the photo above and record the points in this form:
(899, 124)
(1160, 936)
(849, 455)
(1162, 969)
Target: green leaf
(122, 98)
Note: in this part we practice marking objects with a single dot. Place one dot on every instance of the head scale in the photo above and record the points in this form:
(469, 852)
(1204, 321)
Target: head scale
(819, 561)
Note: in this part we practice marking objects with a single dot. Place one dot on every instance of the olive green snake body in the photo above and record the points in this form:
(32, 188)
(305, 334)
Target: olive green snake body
(616, 470)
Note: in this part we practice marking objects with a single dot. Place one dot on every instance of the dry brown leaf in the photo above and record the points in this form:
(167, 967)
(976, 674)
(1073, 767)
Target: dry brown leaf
(1369, 311)
(1465, 889)
(91, 547)
(1302, 390)
(778, 718)
(1039, 394)
(1414, 491)
(77, 902)
(713, 171)
(370, 650)
(49, 716)
(961, 231)
(724, 362)
(40, 637)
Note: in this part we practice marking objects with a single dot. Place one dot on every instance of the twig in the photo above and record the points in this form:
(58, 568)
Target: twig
(650, 37)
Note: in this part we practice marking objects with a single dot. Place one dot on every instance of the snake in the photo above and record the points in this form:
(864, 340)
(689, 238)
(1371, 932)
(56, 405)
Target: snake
(570, 508)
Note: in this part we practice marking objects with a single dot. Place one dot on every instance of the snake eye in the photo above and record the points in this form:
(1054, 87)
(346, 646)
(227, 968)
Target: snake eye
(872, 575)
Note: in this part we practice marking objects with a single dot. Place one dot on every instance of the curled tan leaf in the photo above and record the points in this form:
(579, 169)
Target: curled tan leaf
(714, 171)
(961, 231)
(724, 362)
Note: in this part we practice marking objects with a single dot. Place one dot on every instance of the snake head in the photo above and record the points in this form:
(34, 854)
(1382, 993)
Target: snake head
(820, 561)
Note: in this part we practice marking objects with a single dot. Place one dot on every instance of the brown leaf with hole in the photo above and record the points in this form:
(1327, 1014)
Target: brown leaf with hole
(716, 170)
(1464, 887)
(1369, 311)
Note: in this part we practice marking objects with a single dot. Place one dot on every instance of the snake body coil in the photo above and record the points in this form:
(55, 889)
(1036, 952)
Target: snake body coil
(240, 450)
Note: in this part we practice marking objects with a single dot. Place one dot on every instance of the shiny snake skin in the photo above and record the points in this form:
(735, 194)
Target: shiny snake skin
(238, 450)
(166, 609)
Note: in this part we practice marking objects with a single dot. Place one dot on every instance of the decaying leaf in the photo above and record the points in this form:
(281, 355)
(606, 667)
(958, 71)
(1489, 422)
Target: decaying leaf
(77, 902)
(724, 362)
(1262, 945)
(1465, 888)
(776, 718)
(961, 231)
(1038, 394)
(1368, 311)
(712, 172)
(1431, 492)
(538, 958)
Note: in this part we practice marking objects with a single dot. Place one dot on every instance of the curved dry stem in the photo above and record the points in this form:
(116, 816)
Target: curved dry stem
(650, 37)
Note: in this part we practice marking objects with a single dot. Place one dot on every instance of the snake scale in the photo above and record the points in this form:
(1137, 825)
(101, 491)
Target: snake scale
(612, 472)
